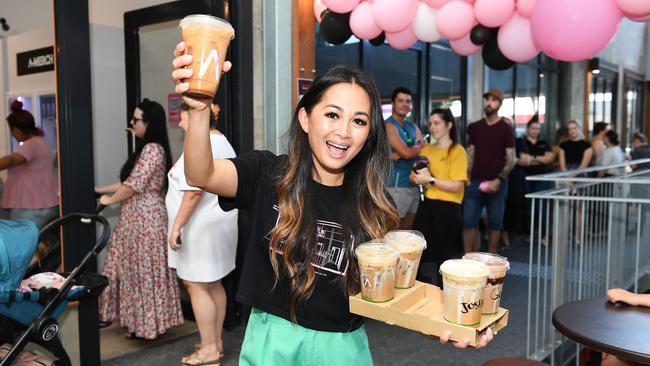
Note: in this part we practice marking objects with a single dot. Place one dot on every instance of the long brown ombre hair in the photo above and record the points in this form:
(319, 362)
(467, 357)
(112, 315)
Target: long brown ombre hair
(366, 210)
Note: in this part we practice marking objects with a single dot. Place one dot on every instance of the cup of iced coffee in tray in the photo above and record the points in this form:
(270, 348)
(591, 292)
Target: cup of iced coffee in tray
(463, 285)
(206, 39)
(377, 266)
(498, 266)
(411, 244)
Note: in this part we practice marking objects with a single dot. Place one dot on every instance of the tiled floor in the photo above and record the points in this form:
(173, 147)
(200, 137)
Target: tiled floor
(389, 345)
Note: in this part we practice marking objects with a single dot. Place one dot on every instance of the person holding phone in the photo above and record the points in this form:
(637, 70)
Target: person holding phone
(439, 217)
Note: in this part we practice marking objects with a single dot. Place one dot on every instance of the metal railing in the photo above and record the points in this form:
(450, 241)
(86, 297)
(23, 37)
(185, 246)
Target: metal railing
(587, 235)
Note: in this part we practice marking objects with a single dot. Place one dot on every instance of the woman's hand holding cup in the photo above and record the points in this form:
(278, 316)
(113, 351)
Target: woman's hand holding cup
(183, 71)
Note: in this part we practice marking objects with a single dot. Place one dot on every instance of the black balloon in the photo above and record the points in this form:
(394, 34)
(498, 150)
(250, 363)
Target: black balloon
(493, 57)
(480, 35)
(379, 40)
(335, 27)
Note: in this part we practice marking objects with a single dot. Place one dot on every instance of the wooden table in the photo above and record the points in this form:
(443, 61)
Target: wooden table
(617, 329)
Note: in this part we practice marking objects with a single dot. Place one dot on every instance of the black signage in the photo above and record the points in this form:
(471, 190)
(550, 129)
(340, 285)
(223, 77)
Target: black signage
(35, 61)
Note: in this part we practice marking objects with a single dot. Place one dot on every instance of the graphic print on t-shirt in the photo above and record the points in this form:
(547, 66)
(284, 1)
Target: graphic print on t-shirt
(331, 251)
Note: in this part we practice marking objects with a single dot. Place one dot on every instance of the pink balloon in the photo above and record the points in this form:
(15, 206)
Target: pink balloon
(402, 40)
(436, 4)
(318, 9)
(635, 8)
(455, 19)
(362, 22)
(341, 6)
(424, 24)
(572, 30)
(494, 13)
(394, 16)
(640, 19)
(525, 7)
(464, 46)
(515, 40)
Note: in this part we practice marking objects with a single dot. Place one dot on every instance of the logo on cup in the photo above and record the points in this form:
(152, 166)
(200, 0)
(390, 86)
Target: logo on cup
(496, 293)
(205, 64)
(467, 306)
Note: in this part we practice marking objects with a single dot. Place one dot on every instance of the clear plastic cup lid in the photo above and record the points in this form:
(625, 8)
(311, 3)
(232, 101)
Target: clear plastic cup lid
(489, 259)
(406, 239)
(464, 268)
(376, 251)
(204, 20)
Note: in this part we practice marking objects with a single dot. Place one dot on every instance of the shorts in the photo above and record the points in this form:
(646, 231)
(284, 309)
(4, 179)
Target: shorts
(406, 199)
(475, 200)
(271, 340)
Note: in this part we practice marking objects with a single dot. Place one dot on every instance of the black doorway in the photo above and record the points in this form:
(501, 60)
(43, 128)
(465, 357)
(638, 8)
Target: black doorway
(236, 120)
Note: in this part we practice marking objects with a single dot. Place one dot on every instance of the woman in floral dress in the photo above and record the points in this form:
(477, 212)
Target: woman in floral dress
(143, 292)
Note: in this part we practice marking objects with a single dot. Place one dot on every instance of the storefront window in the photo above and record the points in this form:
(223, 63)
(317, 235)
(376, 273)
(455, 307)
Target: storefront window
(328, 55)
(601, 99)
(445, 79)
(633, 110)
(529, 89)
(393, 68)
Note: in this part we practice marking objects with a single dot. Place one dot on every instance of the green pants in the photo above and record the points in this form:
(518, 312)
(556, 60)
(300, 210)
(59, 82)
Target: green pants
(271, 340)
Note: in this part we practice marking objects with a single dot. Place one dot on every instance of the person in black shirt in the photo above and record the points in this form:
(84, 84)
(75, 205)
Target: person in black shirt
(535, 158)
(575, 153)
(308, 210)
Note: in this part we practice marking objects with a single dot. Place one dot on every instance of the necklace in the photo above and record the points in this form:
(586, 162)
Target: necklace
(405, 134)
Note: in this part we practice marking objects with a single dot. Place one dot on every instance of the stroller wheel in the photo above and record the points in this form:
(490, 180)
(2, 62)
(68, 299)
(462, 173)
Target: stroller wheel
(47, 329)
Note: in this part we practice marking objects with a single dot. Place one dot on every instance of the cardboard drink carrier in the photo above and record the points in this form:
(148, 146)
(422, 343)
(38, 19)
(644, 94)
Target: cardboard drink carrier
(419, 308)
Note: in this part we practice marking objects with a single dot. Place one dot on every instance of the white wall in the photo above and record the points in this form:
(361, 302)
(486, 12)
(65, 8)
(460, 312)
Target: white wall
(33, 83)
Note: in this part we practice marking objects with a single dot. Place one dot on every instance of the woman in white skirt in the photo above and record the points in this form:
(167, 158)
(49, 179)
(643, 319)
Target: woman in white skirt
(195, 220)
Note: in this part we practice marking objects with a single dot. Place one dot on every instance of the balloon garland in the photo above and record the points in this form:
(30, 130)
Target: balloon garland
(505, 31)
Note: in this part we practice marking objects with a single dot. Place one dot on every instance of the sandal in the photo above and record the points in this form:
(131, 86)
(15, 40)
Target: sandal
(131, 336)
(197, 346)
(195, 359)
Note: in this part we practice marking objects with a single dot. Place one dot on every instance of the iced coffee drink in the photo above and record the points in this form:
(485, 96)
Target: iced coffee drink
(410, 243)
(498, 266)
(463, 282)
(206, 39)
(377, 262)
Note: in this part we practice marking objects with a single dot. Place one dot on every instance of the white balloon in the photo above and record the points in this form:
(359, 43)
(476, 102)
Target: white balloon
(424, 24)
(318, 9)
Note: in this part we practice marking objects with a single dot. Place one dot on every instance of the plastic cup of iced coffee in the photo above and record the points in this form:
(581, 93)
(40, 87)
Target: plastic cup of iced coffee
(377, 265)
(498, 266)
(463, 283)
(206, 39)
(411, 244)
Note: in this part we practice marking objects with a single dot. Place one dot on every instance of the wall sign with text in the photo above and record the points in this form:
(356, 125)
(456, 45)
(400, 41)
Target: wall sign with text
(35, 61)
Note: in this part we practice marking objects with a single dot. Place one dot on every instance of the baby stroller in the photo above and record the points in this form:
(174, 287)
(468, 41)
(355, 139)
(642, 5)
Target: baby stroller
(32, 316)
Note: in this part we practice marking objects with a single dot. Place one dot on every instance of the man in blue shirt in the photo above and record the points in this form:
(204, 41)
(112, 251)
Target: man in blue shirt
(405, 142)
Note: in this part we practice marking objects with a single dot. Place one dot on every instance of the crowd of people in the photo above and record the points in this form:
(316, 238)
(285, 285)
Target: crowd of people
(484, 183)
(348, 175)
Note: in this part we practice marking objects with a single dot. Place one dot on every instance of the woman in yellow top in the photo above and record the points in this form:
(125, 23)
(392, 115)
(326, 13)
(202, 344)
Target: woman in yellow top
(439, 216)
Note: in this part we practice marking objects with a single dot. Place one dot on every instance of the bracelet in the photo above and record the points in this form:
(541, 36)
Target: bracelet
(432, 182)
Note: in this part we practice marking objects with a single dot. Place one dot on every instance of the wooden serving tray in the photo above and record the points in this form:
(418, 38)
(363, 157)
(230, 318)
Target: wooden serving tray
(419, 308)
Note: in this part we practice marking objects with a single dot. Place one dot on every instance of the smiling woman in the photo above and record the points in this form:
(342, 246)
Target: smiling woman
(336, 132)
(330, 184)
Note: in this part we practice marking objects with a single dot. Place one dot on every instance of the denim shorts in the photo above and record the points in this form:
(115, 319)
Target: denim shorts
(475, 200)
(406, 199)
